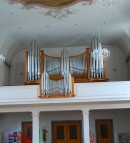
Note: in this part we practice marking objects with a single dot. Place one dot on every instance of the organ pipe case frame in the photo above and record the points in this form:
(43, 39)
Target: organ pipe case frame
(37, 81)
(55, 94)
(56, 80)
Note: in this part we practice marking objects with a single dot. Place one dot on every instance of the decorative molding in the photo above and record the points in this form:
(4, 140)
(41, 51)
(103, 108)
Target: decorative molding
(59, 13)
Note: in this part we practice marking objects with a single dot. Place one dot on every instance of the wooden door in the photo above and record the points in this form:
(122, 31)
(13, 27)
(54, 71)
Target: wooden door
(26, 132)
(74, 132)
(66, 132)
(104, 131)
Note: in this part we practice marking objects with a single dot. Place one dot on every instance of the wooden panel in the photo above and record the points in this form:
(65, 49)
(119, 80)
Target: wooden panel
(66, 132)
(42, 61)
(59, 132)
(72, 94)
(104, 131)
(74, 130)
(105, 69)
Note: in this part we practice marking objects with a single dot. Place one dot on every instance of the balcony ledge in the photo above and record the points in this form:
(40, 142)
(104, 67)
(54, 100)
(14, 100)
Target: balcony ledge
(99, 92)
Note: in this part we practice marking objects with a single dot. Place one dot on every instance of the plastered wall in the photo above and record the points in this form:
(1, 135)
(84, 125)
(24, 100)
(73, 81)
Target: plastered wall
(121, 118)
(4, 75)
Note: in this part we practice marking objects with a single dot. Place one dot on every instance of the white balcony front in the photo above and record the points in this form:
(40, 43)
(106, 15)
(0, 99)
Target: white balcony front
(103, 91)
(84, 92)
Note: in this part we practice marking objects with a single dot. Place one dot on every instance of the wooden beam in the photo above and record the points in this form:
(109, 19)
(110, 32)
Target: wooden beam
(72, 79)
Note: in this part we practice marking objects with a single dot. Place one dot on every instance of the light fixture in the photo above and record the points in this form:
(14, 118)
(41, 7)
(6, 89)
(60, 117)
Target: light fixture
(109, 3)
(100, 53)
(2, 59)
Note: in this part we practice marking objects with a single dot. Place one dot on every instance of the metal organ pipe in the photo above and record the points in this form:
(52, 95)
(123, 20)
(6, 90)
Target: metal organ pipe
(36, 62)
(51, 87)
(33, 61)
(96, 63)
(64, 61)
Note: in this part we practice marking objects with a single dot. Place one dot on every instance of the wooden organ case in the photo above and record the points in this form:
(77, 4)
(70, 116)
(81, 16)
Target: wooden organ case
(56, 75)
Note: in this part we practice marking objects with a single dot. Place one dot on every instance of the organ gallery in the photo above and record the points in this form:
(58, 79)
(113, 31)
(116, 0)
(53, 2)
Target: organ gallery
(56, 75)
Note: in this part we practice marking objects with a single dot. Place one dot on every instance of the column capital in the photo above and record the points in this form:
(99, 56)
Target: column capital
(35, 113)
(85, 111)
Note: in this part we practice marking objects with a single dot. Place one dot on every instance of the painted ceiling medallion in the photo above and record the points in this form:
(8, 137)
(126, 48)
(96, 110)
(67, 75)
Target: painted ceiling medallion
(51, 3)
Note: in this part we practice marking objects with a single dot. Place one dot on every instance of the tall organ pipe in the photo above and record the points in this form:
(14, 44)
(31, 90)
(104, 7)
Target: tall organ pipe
(96, 64)
(29, 68)
(38, 61)
(33, 61)
(64, 61)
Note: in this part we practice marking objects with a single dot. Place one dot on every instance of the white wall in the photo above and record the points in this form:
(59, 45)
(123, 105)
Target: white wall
(46, 118)
(11, 122)
(121, 118)
(117, 67)
(17, 71)
(4, 75)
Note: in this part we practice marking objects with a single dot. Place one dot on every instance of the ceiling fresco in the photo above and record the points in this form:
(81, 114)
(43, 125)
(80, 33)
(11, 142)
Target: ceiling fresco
(50, 3)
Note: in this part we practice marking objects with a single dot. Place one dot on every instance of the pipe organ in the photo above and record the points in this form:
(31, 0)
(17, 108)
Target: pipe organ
(33, 64)
(56, 75)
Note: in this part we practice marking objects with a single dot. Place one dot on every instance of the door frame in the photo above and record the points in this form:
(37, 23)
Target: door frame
(59, 121)
(109, 120)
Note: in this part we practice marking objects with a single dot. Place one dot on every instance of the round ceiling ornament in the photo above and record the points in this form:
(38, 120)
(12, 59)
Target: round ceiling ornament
(50, 3)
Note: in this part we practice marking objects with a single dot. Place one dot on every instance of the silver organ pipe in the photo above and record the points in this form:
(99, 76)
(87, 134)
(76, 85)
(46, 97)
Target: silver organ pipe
(51, 87)
(33, 61)
(96, 60)
(45, 78)
(78, 64)
(91, 61)
(52, 65)
(96, 63)
(64, 61)
(29, 65)
(38, 62)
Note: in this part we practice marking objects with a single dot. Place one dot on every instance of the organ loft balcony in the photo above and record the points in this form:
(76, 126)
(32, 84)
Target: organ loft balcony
(60, 75)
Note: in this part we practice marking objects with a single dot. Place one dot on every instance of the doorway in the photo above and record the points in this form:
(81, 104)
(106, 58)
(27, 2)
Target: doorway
(66, 132)
(104, 131)
(27, 132)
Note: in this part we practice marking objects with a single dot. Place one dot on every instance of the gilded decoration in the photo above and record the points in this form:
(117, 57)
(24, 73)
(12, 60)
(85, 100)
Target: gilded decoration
(51, 3)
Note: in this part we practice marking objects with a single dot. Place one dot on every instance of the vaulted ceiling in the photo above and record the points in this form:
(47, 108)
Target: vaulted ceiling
(70, 26)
